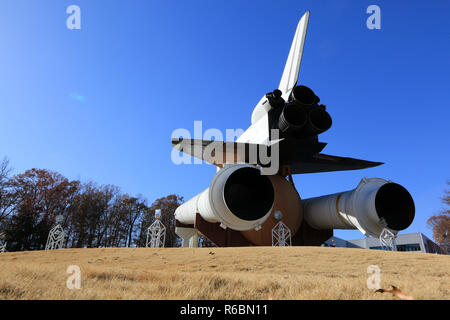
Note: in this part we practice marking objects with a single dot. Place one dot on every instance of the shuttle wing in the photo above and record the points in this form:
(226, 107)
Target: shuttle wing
(325, 163)
(292, 68)
(220, 152)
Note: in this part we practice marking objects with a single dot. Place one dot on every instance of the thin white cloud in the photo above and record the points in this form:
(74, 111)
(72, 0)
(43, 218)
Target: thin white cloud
(78, 97)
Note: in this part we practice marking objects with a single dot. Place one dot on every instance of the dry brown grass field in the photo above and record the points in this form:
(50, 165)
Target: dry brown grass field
(221, 273)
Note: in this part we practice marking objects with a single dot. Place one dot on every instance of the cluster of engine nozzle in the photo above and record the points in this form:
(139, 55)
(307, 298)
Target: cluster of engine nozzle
(301, 116)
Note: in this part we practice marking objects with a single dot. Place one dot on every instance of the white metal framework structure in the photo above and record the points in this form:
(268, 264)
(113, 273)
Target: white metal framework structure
(156, 233)
(56, 236)
(2, 243)
(387, 240)
(281, 235)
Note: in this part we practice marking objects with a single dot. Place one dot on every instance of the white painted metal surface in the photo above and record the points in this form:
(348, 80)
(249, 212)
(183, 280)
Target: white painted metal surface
(258, 132)
(2, 242)
(260, 110)
(189, 236)
(387, 240)
(292, 68)
(210, 204)
(354, 209)
(193, 242)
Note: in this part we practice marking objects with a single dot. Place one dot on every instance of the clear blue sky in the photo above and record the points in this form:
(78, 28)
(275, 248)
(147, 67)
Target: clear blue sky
(101, 103)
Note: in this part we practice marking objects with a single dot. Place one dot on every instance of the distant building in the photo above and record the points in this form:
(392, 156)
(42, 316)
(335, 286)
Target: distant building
(404, 242)
(338, 242)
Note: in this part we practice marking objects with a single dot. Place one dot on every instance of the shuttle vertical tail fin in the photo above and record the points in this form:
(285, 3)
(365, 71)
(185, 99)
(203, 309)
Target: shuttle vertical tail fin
(292, 68)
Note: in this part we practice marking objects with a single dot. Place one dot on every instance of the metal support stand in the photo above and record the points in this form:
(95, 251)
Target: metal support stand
(55, 238)
(156, 233)
(281, 235)
(193, 242)
(387, 240)
(2, 243)
(189, 237)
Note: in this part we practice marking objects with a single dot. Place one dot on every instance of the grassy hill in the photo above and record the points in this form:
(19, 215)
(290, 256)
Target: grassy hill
(221, 273)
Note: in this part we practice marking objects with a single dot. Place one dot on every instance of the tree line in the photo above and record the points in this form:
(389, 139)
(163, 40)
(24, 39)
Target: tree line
(101, 215)
(93, 215)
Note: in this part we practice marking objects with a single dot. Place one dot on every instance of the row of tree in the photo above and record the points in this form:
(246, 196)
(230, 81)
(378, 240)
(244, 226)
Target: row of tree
(94, 215)
(100, 215)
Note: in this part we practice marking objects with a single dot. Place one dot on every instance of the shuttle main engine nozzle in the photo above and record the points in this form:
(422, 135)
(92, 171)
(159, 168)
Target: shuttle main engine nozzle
(293, 117)
(303, 116)
(304, 95)
(239, 197)
(319, 121)
(375, 204)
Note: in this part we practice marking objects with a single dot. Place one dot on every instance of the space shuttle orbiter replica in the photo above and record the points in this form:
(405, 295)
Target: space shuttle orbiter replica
(253, 189)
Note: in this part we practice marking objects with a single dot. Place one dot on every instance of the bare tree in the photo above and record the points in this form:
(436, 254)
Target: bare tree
(130, 210)
(91, 215)
(41, 195)
(7, 199)
(94, 216)
(441, 223)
